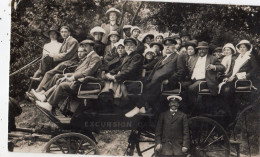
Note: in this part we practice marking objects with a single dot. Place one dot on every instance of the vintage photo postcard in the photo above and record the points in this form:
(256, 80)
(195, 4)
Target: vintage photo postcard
(134, 78)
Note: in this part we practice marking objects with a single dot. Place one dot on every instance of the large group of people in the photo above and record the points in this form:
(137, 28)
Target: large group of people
(114, 54)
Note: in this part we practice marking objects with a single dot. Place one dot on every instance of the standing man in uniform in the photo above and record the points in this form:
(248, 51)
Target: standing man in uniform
(172, 132)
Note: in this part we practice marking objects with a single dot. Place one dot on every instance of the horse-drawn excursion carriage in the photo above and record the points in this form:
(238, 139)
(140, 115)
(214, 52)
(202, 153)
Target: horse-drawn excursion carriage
(210, 134)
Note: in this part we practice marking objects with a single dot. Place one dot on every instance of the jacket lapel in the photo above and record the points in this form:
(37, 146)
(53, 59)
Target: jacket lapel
(207, 62)
(85, 63)
(171, 57)
(172, 118)
(193, 62)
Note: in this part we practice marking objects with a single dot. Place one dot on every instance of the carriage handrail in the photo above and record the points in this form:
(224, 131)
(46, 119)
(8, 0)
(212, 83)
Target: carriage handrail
(89, 83)
(73, 66)
(179, 87)
(200, 84)
(251, 84)
(142, 85)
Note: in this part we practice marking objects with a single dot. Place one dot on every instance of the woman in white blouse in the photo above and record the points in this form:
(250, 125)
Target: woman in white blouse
(50, 49)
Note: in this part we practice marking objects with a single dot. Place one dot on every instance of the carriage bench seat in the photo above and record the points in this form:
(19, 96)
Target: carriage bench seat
(203, 90)
(89, 91)
(176, 91)
(133, 87)
(243, 86)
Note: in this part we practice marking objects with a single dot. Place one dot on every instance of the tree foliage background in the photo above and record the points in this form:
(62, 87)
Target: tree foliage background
(217, 24)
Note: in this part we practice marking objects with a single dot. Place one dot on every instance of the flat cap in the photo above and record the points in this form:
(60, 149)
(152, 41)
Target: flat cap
(174, 97)
(170, 39)
(87, 41)
(130, 40)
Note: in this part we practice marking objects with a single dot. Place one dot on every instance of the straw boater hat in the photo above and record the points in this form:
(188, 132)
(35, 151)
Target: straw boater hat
(146, 35)
(131, 40)
(159, 34)
(218, 49)
(170, 39)
(229, 45)
(113, 33)
(113, 10)
(120, 42)
(174, 97)
(127, 27)
(54, 29)
(202, 44)
(97, 30)
(148, 50)
(135, 27)
(157, 43)
(87, 41)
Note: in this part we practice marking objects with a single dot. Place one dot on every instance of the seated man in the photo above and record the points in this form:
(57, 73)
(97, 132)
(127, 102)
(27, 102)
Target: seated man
(169, 69)
(88, 67)
(204, 67)
(66, 57)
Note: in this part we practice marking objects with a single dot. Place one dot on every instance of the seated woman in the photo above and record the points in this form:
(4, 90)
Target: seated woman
(149, 61)
(50, 49)
(230, 55)
(110, 50)
(147, 39)
(243, 68)
(159, 38)
(129, 69)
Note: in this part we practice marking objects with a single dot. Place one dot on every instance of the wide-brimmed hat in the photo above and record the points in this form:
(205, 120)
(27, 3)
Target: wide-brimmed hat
(113, 33)
(246, 42)
(229, 45)
(135, 27)
(159, 34)
(192, 43)
(157, 43)
(203, 44)
(120, 42)
(127, 27)
(113, 10)
(87, 41)
(54, 29)
(176, 36)
(131, 40)
(97, 29)
(170, 39)
(147, 35)
(148, 50)
(174, 97)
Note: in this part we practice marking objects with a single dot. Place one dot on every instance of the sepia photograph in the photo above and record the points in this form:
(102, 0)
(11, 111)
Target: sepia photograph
(133, 78)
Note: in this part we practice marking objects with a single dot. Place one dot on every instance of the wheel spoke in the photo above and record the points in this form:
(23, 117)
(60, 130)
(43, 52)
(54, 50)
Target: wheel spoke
(148, 148)
(90, 150)
(79, 145)
(209, 134)
(215, 141)
(60, 147)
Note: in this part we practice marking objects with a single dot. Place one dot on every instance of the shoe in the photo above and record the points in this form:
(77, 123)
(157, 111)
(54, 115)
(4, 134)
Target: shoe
(142, 110)
(39, 96)
(44, 105)
(30, 96)
(133, 112)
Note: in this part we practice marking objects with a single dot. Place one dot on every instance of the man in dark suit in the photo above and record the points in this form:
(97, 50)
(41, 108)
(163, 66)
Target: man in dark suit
(131, 67)
(135, 32)
(168, 70)
(88, 67)
(172, 131)
(66, 57)
(204, 67)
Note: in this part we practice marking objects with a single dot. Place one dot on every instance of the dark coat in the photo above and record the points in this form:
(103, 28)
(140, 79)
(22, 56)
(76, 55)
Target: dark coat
(211, 75)
(250, 67)
(172, 132)
(130, 69)
(99, 47)
(114, 63)
(172, 68)
(110, 53)
(140, 47)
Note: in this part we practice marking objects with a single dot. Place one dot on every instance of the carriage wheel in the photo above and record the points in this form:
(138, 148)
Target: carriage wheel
(71, 143)
(208, 138)
(145, 143)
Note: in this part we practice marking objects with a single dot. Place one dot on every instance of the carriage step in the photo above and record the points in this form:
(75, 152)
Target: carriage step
(64, 120)
(236, 144)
